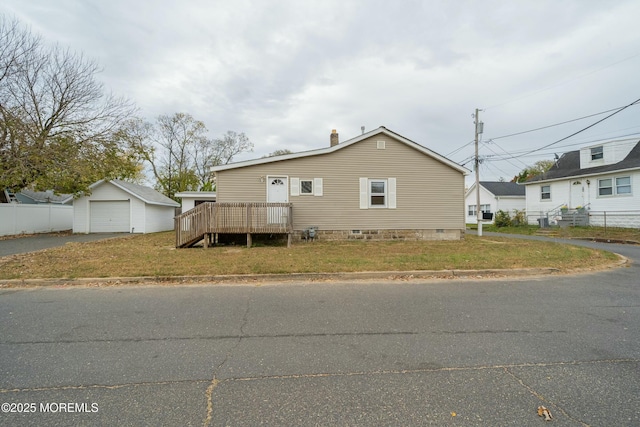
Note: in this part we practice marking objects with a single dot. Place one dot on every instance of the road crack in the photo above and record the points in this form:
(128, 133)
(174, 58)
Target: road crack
(215, 381)
(539, 396)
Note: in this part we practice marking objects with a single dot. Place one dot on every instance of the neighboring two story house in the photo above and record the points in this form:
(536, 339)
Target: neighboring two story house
(602, 180)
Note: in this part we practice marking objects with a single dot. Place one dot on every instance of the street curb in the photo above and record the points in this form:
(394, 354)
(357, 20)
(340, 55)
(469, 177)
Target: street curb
(244, 279)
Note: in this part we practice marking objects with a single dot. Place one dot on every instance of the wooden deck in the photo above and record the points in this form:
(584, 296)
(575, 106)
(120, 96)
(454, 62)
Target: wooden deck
(207, 220)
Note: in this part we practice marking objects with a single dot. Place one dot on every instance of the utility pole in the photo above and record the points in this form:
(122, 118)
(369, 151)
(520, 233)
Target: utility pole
(479, 128)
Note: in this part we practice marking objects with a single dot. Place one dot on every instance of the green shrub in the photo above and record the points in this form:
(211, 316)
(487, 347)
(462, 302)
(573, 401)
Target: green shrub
(502, 219)
(519, 218)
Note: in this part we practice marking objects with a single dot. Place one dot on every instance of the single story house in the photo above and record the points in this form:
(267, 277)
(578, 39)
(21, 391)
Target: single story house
(378, 185)
(116, 206)
(494, 196)
(602, 180)
(191, 199)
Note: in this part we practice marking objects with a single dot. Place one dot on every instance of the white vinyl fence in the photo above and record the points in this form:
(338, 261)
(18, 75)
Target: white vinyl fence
(18, 218)
(616, 219)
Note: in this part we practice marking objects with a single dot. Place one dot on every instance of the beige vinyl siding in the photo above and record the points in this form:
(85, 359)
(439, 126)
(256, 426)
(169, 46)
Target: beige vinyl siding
(429, 194)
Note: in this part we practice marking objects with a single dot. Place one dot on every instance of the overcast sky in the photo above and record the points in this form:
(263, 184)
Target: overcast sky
(288, 72)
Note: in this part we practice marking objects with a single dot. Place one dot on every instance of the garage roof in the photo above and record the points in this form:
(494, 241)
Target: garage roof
(146, 194)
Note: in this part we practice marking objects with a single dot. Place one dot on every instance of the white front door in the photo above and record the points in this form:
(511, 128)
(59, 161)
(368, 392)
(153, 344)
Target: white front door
(277, 192)
(577, 194)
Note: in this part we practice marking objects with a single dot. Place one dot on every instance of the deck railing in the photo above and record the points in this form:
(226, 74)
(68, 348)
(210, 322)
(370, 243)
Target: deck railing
(232, 218)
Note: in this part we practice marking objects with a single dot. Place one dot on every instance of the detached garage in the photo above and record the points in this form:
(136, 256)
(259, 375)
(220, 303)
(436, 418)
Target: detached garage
(116, 206)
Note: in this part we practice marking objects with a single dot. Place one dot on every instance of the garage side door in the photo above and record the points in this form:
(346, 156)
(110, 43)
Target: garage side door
(109, 217)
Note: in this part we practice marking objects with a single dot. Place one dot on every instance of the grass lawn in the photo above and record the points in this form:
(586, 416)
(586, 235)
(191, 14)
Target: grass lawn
(631, 234)
(155, 255)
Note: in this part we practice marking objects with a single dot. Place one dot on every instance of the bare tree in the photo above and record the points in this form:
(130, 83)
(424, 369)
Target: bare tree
(178, 152)
(168, 148)
(220, 151)
(228, 146)
(16, 44)
(279, 152)
(51, 102)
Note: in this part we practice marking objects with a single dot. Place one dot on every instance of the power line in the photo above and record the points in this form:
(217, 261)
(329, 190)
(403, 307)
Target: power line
(581, 130)
(460, 148)
(514, 153)
(553, 125)
(507, 160)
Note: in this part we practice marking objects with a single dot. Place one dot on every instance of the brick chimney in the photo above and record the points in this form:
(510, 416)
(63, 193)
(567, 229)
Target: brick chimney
(334, 140)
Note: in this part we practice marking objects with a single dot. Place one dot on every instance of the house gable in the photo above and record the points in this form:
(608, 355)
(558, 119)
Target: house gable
(381, 131)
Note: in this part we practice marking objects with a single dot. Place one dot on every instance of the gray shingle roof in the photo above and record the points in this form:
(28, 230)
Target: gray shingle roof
(503, 188)
(569, 166)
(47, 196)
(146, 194)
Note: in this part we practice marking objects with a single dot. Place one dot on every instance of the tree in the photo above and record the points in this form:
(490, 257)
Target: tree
(220, 151)
(57, 124)
(167, 147)
(279, 153)
(539, 167)
(179, 153)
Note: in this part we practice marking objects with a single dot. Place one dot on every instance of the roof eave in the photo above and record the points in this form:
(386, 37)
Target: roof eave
(584, 175)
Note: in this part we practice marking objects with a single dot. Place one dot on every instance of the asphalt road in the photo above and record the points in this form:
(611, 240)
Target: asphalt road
(448, 352)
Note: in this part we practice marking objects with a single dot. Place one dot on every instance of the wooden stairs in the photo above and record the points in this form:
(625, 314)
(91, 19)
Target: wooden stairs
(207, 220)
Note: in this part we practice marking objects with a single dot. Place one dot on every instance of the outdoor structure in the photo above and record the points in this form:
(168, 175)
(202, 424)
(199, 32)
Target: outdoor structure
(379, 185)
(494, 196)
(116, 206)
(43, 197)
(29, 212)
(191, 199)
(596, 185)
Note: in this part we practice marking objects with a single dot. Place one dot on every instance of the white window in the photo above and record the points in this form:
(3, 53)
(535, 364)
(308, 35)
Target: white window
(377, 193)
(545, 192)
(597, 153)
(306, 186)
(605, 187)
(618, 186)
(623, 185)
(472, 210)
(483, 208)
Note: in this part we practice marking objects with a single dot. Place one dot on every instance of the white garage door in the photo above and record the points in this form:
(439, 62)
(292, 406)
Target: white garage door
(109, 217)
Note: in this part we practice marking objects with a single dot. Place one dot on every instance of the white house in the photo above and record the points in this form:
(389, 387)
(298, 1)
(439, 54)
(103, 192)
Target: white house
(601, 179)
(116, 206)
(191, 199)
(494, 196)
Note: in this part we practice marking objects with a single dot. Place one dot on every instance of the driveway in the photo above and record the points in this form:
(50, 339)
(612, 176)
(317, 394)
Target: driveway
(36, 242)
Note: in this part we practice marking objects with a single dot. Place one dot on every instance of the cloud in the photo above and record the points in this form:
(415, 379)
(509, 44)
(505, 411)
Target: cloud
(287, 72)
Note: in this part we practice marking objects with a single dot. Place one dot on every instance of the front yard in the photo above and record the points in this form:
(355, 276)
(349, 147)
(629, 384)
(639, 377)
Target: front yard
(155, 255)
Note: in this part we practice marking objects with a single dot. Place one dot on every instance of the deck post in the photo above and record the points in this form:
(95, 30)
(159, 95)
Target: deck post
(248, 240)
(206, 240)
(288, 240)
